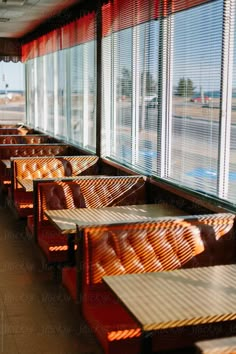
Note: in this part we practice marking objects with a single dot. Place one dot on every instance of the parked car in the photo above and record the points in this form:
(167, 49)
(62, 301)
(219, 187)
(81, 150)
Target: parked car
(199, 99)
(153, 103)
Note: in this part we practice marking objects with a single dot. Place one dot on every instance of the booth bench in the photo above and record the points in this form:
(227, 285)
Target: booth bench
(150, 246)
(45, 167)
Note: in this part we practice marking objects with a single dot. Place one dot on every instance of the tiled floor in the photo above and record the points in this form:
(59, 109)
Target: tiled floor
(36, 313)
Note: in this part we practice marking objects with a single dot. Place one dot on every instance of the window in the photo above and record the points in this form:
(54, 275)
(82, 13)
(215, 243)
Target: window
(194, 116)
(31, 92)
(49, 93)
(12, 92)
(41, 82)
(83, 95)
(169, 84)
(61, 93)
(168, 89)
(230, 175)
(130, 83)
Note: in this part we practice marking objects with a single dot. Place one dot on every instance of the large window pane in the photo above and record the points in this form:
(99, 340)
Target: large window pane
(49, 92)
(61, 94)
(231, 191)
(130, 99)
(31, 92)
(41, 82)
(83, 95)
(12, 92)
(196, 58)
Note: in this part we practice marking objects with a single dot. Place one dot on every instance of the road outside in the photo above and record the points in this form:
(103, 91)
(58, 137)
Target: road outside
(12, 110)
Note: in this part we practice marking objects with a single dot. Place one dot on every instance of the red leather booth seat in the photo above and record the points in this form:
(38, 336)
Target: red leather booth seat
(90, 191)
(163, 244)
(26, 139)
(132, 248)
(45, 167)
(10, 131)
(8, 151)
(56, 196)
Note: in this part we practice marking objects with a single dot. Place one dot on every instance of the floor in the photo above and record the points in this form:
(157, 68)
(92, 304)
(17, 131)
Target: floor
(36, 313)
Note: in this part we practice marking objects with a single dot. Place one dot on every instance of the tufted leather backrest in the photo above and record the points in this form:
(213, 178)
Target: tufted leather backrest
(51, 167)
(27, 139)
(9, 131)
(104, 191)
(55, 196)
(78, 164)
(97, 191)
(30, 139)
(39, 168)
(220, 223)
(24, 150)
(11, 139)
(138, 248)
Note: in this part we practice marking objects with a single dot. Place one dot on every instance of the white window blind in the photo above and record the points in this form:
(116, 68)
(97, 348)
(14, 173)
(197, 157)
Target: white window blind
(195, 55)
(130, 51)
(61, 95)
(31, 91)
(41, 82)
(49, 92)
(231, 180)
(83, 95)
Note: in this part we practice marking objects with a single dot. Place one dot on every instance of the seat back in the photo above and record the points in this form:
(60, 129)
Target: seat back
(97, 191)
(102, 191)
(217, 233)
(26, 139)
(54, 196)
(220, 223)
(51, 167)
(25, 150)
(164, 244)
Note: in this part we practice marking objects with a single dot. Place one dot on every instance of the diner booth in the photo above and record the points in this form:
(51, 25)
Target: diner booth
(117, 184)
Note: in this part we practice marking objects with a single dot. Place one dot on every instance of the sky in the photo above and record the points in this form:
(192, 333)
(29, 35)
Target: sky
(13, 75)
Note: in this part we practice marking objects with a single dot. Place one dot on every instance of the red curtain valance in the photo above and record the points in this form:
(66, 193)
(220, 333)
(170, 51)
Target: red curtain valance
(179, 5)
(80, 31)
(116, 15)
(74, 33)
(120, 14)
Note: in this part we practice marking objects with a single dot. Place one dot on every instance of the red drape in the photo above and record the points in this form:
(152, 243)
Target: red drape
(120, 14)
(81, 31)
(74, 33)
(179, 5)
(116, 15)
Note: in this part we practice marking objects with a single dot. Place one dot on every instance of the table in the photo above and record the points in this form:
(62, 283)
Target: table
(7, 163)
(27, 184)
(179, 299)
(217, 346)
(67, 219)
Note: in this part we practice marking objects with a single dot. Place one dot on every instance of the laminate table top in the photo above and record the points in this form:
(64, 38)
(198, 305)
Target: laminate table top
(7, 163)
(67, 219)
(178, 298)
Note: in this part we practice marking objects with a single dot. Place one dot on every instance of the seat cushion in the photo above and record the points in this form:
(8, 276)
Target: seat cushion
(69, 281)
(23, 202)
(112, 324)
(53, 244)
(30, 224)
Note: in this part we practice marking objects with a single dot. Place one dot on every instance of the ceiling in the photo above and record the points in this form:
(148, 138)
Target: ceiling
(19, 17)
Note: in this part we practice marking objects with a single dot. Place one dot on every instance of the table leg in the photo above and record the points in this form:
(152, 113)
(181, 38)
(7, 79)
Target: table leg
(71, 250)
(146, 343)
(79, 268)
